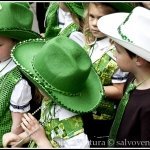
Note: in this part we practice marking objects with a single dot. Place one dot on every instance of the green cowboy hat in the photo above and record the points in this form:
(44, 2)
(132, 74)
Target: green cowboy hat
(122, 6)
(76, 8)
(16, 21)
(62, 70)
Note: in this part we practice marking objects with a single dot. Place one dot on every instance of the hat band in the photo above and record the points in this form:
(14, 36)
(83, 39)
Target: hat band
(124, 37)
(48, 86)
(19, 29)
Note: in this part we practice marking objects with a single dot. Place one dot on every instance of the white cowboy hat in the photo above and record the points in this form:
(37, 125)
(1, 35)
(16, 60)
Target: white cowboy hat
(130, 30)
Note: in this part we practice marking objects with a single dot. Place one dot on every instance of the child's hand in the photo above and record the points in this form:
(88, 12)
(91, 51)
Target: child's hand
(9, 139)
(33, 128)
(42, 34)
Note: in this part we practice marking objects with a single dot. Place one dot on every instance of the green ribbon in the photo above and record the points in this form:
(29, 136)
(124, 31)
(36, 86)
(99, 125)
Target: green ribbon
(119, 114)
(120, 111)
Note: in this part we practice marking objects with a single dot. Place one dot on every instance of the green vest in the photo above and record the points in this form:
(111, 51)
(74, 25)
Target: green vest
(105, 68)
(64, 129)
(7, 84)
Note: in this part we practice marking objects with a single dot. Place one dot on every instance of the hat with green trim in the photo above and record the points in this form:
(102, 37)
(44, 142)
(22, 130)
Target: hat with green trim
(130, 30)
(76, 8)
(122, 6)
(62, 70)
(16, 21)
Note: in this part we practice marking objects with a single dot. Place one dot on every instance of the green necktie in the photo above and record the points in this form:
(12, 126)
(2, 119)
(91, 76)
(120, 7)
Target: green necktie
(119, 114)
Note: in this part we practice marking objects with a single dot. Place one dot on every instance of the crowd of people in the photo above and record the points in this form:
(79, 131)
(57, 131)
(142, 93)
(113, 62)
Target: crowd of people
(76, 75)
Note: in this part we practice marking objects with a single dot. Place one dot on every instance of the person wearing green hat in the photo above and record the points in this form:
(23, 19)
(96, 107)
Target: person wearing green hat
(15, 92)
(101, 49)
(65, 18)
(70, 85)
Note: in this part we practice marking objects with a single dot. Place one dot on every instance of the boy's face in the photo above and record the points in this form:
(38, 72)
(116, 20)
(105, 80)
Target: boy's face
(95, 12)
(6, 44)
(123, 59)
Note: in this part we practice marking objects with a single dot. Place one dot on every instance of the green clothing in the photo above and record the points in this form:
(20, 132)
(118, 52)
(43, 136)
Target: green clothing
(52, 23)
(7, 84)
(55, 128)
(105, 68)
(52, 26)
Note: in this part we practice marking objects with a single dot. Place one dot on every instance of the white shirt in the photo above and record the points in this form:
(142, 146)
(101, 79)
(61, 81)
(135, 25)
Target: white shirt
(78, 141)
(64, 18)
(98, 50)
(35, 26)
(78, 37)
(21, 94)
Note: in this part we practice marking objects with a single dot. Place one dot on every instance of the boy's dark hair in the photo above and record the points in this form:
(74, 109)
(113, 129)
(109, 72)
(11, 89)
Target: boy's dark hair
(132, 55)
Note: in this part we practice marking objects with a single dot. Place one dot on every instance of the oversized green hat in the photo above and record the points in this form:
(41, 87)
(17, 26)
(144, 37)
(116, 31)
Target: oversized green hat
(122, 6)
(62, 70)
(16, 21)
(76, 8)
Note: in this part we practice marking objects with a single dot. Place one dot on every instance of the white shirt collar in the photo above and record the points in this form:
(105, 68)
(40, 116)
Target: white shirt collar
(103, 43)
(62, 113)
(98, 49)
(64, 17)
(8, 68)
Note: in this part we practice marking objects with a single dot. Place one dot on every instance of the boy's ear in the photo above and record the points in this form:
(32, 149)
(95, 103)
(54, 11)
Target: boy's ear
(139, 61)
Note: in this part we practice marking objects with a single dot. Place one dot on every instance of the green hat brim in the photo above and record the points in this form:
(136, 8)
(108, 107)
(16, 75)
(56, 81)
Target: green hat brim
(76, 8)
(122, 6)
(19, 34)
(89, 97)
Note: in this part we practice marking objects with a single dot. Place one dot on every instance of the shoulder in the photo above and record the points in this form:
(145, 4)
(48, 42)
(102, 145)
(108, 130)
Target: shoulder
(78, 37)
(130, 77)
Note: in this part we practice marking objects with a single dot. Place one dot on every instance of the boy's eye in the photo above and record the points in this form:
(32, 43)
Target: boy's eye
(117, 51)
(91, 16)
